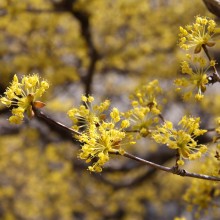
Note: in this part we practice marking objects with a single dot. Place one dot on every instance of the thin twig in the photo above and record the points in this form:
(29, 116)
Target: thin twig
(206, 52)
(210, 129)
(40, 114)
(162, 118)
(215, 76)
(174, 170)
(85, 25)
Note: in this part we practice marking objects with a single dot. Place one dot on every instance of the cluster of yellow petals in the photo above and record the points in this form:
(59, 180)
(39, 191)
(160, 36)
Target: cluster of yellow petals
(217, 121)
(201, 192)
(145, 110)
(21, 95)
(196, 71)
(87, 113)
(198, 34)
(100, 136)
(182, 139)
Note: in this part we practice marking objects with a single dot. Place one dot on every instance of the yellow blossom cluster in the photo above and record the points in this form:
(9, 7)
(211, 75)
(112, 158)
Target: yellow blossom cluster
(198, 34)
(217, 121)
(145, 110)
(196, 71)
(21, 95)
(179, 218)
(201, 193)
(87, 113)
(100, 136)
(182, 139)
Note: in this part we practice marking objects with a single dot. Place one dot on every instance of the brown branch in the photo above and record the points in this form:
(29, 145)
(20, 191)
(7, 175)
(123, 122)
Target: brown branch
(54, 125)
(213, 6)
(206, 52)
(211, 129)
(161, 118)
(162, 158)
(174, 170)
(85, 25)
(215, 76)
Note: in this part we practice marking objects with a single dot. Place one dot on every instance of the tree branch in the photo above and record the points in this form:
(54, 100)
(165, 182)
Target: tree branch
(215, 76)
(174, 170)
(59, 127)
(83, 19)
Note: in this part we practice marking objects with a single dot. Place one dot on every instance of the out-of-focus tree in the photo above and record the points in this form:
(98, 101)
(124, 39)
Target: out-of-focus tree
(110, 49)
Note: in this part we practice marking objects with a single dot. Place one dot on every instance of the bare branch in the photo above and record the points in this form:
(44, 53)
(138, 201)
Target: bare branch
(40, 114)
(174, 170)
(213, 6)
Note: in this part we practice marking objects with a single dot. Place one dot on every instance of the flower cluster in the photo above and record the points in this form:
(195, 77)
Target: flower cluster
(201, 193)
(21, 96)
(182, 139)
(196, 79)
(100, 136)
(145, 112)
(198, 34)
(217, 121)
(87, 113)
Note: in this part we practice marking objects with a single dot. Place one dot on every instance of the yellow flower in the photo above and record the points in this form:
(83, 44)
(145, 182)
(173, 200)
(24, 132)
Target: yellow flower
(182, 139)
(98, 142)
(196, 69)
(202, 192)
(198, 34)
(99, 137)
(145, 112)
(21, 95)
(217, 122)
(115, 115)
(88, 113)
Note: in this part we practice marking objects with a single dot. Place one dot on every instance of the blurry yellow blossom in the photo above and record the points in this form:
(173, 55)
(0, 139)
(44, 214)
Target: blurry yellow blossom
(195, 69)
(21, 96)
(217, 121)
(201, 193)
(198, 34)
(99, 137)
(145, 112)
(182, 139)
(179, 218)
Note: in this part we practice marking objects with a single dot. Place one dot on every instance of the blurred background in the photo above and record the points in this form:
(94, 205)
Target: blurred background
(105, 48)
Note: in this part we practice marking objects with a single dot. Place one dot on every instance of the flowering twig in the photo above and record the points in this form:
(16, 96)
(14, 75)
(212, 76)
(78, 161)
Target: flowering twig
(174, 170)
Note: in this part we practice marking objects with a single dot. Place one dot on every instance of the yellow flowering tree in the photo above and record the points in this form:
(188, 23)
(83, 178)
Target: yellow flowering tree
(116, 114)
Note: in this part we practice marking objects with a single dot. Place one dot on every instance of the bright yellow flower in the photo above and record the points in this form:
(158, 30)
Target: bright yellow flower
(182, 139)
(201, 192)
(198, 34)
(99, 137)
(217, 122)
(98, 142)
(21, 95)
(145, 112)
(88, 113)
(196, 69)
